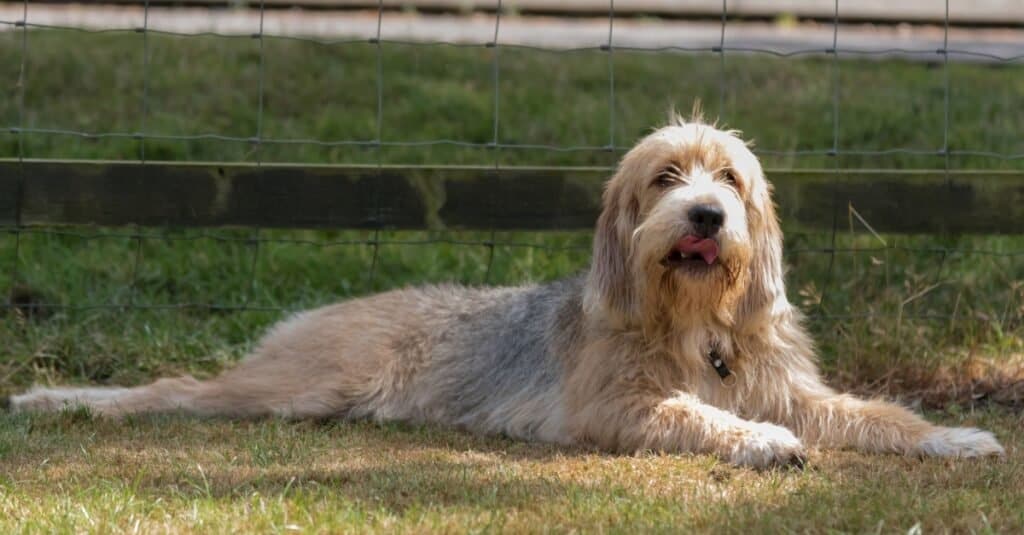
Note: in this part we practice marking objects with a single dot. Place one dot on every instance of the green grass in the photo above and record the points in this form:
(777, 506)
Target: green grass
(933, 318)
(210, 85)
(972, 306)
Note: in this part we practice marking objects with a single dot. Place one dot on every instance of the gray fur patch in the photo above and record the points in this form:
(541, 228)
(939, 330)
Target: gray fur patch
(504, 359)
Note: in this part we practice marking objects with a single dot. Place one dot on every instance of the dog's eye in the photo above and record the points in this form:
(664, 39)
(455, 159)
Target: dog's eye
(729, 177)
(664, 180)
(668, 177)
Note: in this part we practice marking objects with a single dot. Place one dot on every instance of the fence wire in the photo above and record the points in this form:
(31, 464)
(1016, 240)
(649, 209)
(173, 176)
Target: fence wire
(376, 238)
(941, 54)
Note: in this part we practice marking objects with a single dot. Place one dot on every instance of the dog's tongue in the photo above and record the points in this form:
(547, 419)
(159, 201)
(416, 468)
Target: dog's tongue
(706, 248)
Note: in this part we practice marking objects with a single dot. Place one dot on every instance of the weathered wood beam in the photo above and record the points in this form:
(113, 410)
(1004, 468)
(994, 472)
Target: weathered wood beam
(309, 196)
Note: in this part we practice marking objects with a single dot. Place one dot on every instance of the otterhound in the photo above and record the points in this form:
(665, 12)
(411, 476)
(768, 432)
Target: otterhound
(679, 338)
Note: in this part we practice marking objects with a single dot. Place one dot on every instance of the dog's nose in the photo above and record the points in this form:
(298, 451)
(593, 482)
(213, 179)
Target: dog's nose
(707, 219)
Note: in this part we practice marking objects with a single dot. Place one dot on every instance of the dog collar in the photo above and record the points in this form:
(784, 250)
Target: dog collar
(715, 358)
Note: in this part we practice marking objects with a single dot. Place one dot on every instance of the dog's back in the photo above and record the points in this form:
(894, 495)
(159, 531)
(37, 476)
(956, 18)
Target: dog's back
(487, 359)
(500, 368)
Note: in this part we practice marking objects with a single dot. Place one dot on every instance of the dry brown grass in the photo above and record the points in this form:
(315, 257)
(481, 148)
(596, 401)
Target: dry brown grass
(72, 473)
(974, 380)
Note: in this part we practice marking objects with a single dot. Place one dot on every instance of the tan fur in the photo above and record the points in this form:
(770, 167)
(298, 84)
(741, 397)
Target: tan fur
(617, 359)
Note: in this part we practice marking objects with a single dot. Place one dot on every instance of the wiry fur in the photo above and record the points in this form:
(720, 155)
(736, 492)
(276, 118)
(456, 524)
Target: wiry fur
(614, 358)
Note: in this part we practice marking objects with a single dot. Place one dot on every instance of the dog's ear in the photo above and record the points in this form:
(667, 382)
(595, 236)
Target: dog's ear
(766, 288)
(610, 287)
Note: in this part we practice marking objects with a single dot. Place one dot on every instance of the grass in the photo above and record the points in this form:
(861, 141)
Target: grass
(935, 320)
(70, 473)
(889, 321)
(195, 85)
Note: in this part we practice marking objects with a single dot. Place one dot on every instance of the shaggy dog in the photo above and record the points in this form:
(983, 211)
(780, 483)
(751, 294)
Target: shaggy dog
(679, 338)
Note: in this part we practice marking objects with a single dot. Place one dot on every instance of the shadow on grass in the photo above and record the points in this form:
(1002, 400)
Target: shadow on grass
(381, 466)
(401, 470)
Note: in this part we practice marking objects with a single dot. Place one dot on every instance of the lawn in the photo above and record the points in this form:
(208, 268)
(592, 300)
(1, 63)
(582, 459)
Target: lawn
(936, 321)
(69, 473)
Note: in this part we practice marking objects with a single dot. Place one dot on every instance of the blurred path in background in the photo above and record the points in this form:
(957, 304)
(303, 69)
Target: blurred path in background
(959, 12)
(783, 36)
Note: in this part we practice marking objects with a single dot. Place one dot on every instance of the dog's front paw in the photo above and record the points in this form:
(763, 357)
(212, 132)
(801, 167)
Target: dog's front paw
(763, 445)
(959, 442)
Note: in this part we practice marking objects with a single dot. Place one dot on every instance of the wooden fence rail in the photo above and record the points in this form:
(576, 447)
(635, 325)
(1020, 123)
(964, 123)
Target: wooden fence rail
(304, 196)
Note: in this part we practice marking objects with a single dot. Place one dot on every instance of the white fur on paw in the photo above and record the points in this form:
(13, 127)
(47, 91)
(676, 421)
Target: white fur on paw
(960, 442)
(765, 445)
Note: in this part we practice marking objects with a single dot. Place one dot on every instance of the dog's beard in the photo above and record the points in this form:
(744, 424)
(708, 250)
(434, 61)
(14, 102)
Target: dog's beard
(679, 293)
(680, 281)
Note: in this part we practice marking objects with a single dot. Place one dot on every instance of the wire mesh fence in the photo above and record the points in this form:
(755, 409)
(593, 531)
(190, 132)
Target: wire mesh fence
(164, 96)
(374, 138)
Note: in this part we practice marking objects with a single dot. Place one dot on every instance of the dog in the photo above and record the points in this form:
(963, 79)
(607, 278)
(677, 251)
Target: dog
(679, 338)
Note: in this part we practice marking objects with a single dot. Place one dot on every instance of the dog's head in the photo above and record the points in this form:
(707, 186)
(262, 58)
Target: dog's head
(688, 232)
